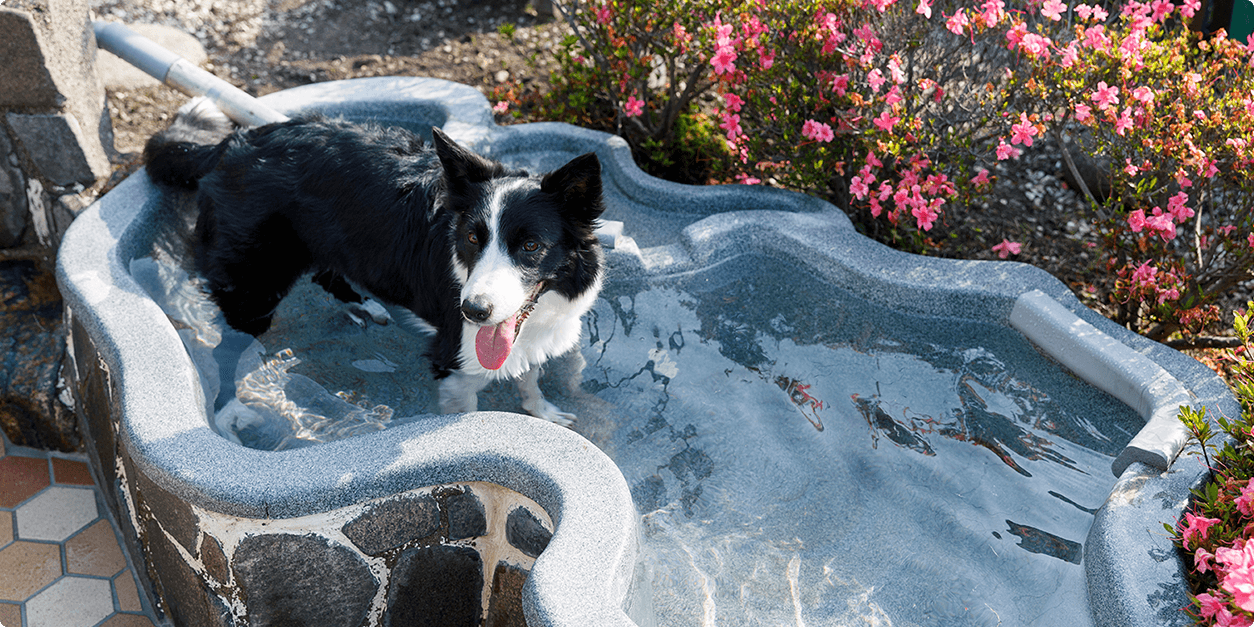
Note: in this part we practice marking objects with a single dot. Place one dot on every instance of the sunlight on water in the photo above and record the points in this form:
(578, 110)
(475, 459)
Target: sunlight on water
(799, 457)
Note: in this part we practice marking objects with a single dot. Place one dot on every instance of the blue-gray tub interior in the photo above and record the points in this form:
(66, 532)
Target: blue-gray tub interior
(815, 428)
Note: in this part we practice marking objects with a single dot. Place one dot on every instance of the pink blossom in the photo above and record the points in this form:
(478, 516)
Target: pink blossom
(924, 9)
(1250, 238)
(876, 79)
(1189, 8)
(1124, 121)
(1084, 10)
(1225, 618)
(1070, 54)
(894, 70)
(1168, 294)
(1176, 205)
(1161, 8)
(745, 179)
(893, 96)
(766, 58)
(1036, 45)
(859, 188)
(1007, 248)
(1015, 35)
(1136, 221)
(603, 15)
(634, 107)
(1083, 113)
(733, 101)
(925, 215)
(1022, 132)
(886, 122)
(871, 159)
(1202, 560)
(1210, 171)
(1143, 94)
(1053, 9)
(501, 106)
(1239, 582)
(1105, 96)
(1163, 223)
(731, 124)
(817, 131)
(724, 60)
(1182, 179)
(1209, 604)
(993, 12)
(958, 22)
(840, 84)
(1006, 151)
(1196, 525)
(1129, 168)
(1095, 37)
(1146, 276)
(981, 179)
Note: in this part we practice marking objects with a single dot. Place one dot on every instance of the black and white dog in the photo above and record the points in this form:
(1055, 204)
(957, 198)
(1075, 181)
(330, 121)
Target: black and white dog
(499, 264)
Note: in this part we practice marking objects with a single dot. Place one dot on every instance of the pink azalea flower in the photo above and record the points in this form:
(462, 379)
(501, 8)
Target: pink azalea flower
(1136, 221)
(1130, 169)
(1022, 132)
(1196, 525)
(1083, 113)
(731, 124)
(981, 179)
(1202, 561)
(840, 84)
(1189, 8)
(1143, 94)
(1095, 37)
(501, 106)
(1015, 35)
(766, 58)
(1007, 248)
(1176, 205)
(859, 188)
(603, 15)
(958, 22)
(733, 101)
(817, 131)
(924, 9)
(1105, 96)
(1164, 224)
(1036, 45)
(1053, 9)
(893, 96)
(1084, 10)
(633, 107)
(1161, 8)
(1250, 238)
(871, 159)
(1124, 121)
(724, 60)
(1225, 618)
(1006, 151)
(876, 79)
(886, 122)
(1240, 584)
(1209, 605)
(925, 215)
(1146, 276)
(1070, 54)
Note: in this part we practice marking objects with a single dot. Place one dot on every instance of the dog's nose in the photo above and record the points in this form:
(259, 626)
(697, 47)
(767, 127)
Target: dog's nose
(477, 309)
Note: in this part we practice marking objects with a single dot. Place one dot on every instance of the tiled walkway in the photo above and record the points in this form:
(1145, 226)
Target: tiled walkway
(61, 564)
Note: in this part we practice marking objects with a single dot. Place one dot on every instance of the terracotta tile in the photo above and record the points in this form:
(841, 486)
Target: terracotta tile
(6, 528)
(94, 551)
(128, 592)
(23, 477)
(71, 602)
(10, 615)
(27, 567)
(57, 513)
(127, 620)
(71, 472)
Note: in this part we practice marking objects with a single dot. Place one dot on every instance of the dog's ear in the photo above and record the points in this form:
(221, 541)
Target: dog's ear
(460, 164)
(577, 186)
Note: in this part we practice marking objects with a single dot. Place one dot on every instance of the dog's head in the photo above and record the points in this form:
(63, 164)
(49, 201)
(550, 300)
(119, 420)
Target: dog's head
(517, 237)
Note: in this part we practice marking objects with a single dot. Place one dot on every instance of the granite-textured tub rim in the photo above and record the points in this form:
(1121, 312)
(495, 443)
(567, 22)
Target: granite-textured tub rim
(170, 439)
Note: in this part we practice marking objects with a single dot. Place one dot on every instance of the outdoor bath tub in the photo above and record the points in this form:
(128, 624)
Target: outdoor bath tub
(495, 518)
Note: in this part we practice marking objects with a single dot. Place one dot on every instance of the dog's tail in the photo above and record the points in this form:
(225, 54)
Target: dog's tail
(190, 147)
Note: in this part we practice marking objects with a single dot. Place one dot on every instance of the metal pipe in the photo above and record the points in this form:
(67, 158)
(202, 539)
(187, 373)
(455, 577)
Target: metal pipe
(181, 74)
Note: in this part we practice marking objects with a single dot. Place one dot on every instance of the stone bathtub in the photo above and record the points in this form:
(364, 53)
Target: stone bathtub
(498, 519)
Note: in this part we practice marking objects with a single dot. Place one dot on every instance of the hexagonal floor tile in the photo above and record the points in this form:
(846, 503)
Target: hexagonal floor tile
(71, 602)
(23, 477)
(27, 567)
(56, 513)
(94, 551)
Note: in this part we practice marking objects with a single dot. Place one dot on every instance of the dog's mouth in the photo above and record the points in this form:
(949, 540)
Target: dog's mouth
(493, 343)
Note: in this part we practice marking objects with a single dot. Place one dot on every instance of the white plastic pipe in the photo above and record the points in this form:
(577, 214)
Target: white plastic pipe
(181, 74)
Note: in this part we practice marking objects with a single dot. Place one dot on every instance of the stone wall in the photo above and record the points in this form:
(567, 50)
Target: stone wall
(55, 132)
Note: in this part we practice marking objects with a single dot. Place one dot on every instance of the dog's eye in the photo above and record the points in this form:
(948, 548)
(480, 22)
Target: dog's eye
(531, 246)
(472, 238)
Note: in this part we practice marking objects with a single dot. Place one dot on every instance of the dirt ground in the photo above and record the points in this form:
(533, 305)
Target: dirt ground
(268, 45)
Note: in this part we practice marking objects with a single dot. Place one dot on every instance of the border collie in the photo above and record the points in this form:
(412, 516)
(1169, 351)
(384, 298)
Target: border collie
(499, 264)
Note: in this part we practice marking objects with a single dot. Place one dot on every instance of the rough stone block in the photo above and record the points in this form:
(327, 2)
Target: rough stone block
(392, 523)
(526, 533)
(505, 606)
(25, 78)
(186, 598)
(12, 195)
(58, 147)
(436, 586)
(465, 516)
(287, 579)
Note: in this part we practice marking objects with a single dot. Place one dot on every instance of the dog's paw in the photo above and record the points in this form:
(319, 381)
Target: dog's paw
(548, 411)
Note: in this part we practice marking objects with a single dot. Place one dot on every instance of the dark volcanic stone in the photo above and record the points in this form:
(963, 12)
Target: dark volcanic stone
(465, 516)
(394, 522)
(302, 580)
(214, 559)
(436, 586)
(525, 532)
(505, 606)
(185, 596)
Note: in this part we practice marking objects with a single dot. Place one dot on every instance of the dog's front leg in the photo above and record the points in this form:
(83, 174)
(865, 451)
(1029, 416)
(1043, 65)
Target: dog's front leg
(533, 400)
(459, 392)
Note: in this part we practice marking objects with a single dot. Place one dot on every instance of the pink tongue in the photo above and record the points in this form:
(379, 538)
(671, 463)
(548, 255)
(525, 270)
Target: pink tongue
(492, 344)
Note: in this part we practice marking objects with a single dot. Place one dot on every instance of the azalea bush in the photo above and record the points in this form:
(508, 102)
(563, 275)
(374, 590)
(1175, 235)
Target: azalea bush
(1216, 533)
(898, 109)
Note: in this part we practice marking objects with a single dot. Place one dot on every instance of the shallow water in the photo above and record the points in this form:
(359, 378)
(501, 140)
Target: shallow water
(799, 456)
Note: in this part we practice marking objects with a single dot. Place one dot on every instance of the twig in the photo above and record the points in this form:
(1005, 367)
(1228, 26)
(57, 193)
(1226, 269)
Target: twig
(1203, 342)
(1075, 173)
